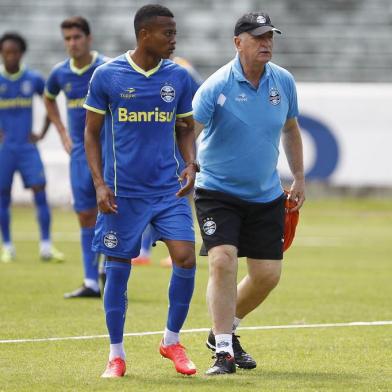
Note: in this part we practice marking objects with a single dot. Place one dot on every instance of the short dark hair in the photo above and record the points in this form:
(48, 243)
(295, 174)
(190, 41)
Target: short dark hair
(10, 36)
(76, 21)
(146, 13)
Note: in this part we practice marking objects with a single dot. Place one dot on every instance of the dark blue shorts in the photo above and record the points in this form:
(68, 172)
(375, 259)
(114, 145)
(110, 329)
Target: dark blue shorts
(25, 160)
(120, 234)
(83, 191)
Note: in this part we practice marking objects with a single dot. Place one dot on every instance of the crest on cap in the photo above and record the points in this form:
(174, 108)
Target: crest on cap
(261, 19)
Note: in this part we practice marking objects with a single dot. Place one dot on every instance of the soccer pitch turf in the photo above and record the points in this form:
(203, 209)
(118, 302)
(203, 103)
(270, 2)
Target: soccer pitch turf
(337, 271)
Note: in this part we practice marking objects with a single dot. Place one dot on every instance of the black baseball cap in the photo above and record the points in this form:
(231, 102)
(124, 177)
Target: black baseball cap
(254, 23)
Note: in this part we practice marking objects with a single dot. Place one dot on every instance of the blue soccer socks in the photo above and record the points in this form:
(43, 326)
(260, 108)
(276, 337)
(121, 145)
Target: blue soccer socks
(181, 288)
(115, 298)
(43, 214)
(5, 201)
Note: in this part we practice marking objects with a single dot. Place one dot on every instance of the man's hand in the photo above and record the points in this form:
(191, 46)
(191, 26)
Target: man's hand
(106, 200)
(181, 124)
(297, 193)
(35, 138)
(66, 142)
(188, 174)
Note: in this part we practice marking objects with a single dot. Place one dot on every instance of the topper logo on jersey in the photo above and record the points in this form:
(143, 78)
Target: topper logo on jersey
(110, 240)
(274, 96)
(209, 226)
(153, 116)
(129, 93)
(168, 93)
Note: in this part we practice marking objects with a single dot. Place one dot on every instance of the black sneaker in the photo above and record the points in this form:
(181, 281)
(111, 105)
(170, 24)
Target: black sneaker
(83, 292)
(224, 364)
(242, 359)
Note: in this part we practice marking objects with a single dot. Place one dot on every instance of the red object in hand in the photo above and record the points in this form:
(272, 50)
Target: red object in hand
(290, 222)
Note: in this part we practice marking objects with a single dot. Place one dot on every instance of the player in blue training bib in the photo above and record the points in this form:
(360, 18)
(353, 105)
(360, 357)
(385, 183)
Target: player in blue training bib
(72, 77)
(139, 95)
(18, 151)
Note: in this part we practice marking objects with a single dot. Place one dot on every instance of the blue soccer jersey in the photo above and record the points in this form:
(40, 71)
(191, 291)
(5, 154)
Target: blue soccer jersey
(74, 83)
(140, 111)
(16, 101)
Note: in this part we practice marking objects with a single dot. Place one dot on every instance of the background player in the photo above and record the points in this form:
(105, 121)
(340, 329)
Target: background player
(139, 95)
(72, 77)
(18, 151)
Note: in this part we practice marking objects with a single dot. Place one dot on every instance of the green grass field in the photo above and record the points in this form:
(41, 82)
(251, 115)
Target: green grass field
(338, 270)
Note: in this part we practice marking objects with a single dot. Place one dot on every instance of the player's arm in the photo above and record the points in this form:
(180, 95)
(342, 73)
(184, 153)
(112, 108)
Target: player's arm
(292, 144)
(185, 137)
(92, 144)
(37, 137)
(54, 115)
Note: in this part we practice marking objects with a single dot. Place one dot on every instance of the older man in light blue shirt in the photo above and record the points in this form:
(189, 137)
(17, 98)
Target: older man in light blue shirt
(244, 109)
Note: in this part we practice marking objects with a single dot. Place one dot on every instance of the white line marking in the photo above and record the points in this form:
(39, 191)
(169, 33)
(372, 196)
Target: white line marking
(261, 327)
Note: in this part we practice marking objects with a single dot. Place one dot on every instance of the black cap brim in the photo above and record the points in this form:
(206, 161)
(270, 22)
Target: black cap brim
(262, 30)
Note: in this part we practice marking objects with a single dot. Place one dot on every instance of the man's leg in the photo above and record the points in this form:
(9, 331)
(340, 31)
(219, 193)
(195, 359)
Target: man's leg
(84, 196)
(254, 288)
(221, 300)
(115, 304)
(120, 241)
(181, 287)
(222, 289)
(8, 252)
(90, 287)
(47, 251)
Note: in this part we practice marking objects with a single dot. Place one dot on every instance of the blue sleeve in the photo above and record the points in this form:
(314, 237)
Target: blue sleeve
(52, 87)
(97, 99)
(204, 102)
(184, 105)
(293, 103)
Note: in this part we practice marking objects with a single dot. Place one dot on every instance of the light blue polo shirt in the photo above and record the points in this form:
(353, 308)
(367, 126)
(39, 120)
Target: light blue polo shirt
(239, 147)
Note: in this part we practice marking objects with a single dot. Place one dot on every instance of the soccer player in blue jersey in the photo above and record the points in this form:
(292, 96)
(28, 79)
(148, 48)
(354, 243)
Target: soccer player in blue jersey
(245, 108)
(18, 151)
(145, 250)
(139, 95)
(72, 76)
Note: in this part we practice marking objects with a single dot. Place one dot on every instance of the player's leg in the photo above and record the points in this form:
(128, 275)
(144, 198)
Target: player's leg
(33, 176)
(260, 240)
(84, 204)
(8, 251)
(263, 276)
(219, 218)
(7, 165)
(174, 225)
(119, 242)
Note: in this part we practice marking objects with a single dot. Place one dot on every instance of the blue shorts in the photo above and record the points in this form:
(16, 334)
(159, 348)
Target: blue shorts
(26, 160)
(83, 191)
(120, 234)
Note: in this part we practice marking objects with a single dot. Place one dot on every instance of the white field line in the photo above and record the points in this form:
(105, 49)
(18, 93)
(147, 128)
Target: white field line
(195, 330)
